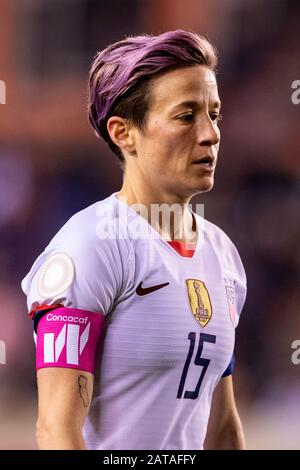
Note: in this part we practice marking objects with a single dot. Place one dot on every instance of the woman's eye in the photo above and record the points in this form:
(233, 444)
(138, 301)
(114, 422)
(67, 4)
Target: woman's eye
(186, 117)
(216, 117)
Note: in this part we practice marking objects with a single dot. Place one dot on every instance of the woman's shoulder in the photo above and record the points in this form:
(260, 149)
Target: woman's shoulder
(96, 228)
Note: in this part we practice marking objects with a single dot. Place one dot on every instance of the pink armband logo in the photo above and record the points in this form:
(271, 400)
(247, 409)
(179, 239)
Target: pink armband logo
(68, 337)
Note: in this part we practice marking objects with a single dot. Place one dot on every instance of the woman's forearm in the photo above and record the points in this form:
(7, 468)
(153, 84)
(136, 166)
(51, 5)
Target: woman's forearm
(231, 439)
(229, 436)
(60, 438)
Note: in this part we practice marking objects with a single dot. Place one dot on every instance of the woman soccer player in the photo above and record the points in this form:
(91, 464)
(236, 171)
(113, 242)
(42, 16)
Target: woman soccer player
(136, 299)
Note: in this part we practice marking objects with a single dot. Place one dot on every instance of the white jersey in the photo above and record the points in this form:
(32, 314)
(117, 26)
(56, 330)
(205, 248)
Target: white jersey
(169, 328)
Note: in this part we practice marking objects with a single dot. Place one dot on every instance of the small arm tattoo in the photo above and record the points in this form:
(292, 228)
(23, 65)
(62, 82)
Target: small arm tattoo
(82, 382)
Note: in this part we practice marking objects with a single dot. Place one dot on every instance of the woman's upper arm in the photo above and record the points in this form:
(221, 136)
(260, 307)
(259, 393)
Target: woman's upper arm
(64, 397)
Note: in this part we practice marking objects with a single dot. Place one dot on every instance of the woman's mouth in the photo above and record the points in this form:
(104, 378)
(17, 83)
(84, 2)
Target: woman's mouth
(207, 163)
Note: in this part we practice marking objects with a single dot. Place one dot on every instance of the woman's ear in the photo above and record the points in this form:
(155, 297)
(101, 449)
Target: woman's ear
(121, 133)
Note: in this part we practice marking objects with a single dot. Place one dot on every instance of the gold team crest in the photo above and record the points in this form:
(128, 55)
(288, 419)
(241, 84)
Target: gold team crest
(199, 301)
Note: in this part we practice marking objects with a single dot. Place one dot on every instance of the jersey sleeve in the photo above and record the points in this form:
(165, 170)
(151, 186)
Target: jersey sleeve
(240, 283)
(235, 282)
(230, 367)
(72, 286)
(78, 270)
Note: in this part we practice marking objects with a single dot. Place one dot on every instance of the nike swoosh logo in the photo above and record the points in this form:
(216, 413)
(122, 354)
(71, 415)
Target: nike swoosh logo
(147, 290)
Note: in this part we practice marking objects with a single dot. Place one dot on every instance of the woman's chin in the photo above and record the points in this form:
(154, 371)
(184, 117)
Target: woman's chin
(205, 185)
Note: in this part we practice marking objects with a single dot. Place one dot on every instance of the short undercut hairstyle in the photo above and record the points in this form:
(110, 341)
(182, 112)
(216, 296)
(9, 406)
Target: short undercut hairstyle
(120, 75)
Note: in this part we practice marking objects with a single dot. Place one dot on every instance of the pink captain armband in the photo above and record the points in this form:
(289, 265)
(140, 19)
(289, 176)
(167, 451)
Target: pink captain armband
(68, 337)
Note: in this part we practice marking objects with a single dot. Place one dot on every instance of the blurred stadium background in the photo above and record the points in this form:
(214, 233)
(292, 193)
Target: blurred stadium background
(51, 166)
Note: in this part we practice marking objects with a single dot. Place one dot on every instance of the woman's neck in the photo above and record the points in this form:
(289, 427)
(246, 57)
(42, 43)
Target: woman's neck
(167, 213)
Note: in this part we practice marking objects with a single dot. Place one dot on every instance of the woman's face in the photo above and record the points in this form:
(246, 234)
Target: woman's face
(178, 149)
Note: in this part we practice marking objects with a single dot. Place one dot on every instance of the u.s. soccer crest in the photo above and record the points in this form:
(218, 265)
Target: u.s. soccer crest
(231, 299)
(199, 301)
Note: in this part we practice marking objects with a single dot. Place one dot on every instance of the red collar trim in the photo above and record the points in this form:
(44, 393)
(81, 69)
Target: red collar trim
(186, 249)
